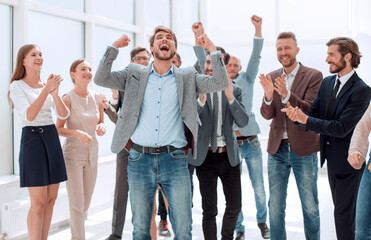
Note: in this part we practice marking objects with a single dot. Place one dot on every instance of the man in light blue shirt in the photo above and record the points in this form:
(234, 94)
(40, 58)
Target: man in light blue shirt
(249, 144)
(158, 124)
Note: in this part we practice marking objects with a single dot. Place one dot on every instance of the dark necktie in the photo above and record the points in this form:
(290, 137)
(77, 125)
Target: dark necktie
(213, 140)
(333, 97)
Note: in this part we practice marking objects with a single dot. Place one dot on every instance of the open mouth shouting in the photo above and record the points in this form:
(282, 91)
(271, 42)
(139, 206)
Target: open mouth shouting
(164, 48)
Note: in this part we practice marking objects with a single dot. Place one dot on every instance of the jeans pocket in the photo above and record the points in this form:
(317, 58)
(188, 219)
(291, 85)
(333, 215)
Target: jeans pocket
(178, 154)
(255, 143)
(134, 155)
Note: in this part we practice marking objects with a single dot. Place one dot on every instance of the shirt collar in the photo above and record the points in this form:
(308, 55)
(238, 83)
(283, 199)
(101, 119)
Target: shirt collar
(293, 72)
(170, 72)
(344, 79)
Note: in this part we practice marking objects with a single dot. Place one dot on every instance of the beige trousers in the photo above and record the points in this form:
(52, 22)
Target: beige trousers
(80, 186)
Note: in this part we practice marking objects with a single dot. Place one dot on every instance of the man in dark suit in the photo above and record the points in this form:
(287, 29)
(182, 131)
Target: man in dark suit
(289, 145)
(218, 155)
(340, 104)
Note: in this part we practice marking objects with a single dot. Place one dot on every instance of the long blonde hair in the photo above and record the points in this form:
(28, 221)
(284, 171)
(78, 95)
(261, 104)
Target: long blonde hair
(20, 71)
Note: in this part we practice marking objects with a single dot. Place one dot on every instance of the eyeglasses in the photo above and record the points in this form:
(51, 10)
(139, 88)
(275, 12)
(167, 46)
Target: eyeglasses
(140, 58)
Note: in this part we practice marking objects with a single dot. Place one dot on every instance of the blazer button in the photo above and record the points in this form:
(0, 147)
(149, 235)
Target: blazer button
(328, 143)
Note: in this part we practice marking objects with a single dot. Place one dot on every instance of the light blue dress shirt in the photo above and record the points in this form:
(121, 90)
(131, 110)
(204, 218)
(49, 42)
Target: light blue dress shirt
(246, 80)
(160, 123)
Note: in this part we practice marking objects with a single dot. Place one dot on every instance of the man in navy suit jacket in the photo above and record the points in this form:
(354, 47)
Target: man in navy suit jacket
(348, 97)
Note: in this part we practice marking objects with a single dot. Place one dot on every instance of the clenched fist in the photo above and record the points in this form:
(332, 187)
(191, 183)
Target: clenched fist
(198, 29)
(123, 41)
(206, 43)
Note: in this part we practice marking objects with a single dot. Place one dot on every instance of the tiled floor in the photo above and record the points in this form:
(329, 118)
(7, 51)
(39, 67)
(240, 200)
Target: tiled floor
(98, 225)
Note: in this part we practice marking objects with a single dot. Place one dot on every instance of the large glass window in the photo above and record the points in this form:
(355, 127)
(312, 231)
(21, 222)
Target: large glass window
(187, 14)
(157, 13)
(230, 21)
(61, 44)
(187, 55)
(103, 37)
(77, 5)
(331, 19)
(6, 140)
(122, 11)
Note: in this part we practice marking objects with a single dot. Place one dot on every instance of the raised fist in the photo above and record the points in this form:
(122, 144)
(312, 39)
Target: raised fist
(123, 41)
(198, 29)
(206, 43)
(256, 21)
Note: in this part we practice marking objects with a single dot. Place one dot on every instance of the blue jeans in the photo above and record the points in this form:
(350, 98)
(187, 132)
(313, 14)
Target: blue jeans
(252, 154)
(305, 170)
(170, 170)
(363, 209)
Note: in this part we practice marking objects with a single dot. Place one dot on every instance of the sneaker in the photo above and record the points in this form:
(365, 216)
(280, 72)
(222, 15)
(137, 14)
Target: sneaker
(113, 237)
(264, 230)
(163, 230)
(240, 236)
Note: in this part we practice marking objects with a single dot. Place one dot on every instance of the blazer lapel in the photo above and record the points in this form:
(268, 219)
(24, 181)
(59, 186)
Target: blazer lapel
(343, 90)
(208, 101)
(328, 93)
(224, 105)
(144, 75)
(298, 78)
(179, 85)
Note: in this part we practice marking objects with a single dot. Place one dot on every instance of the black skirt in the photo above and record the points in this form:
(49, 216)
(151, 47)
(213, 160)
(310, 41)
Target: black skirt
(41, 161)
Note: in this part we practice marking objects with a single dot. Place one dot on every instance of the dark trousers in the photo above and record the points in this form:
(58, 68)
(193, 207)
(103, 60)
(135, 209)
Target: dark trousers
(344, 190)
(121, 193)
(217, 165)
(161, 203)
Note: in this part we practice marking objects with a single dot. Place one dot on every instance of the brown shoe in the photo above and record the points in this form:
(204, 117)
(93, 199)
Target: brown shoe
(264, 230)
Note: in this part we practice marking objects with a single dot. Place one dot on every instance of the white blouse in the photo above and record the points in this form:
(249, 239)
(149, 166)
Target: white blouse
(23, 96)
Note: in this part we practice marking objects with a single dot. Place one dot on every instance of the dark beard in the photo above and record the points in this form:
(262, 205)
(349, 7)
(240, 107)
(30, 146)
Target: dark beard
(339, 66)
(157, 55)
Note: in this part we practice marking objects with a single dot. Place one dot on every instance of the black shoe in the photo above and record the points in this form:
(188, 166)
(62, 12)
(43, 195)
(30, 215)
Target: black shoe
(264, 230)
(113, 237)
(240, 236)
(163, 230)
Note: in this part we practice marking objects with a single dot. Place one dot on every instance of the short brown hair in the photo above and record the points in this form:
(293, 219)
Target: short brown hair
(164, 29)
(226, 55)
(137, 50)
(74, 66)
(284, 35)
(347, 45)
(178, 56)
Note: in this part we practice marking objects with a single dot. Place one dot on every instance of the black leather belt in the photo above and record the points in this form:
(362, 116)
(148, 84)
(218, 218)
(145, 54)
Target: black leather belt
(285, 141)
(242, 140)
(151, 150)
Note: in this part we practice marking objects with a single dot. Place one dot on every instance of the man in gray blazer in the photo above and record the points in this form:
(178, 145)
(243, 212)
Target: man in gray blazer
(159, 124)
(218, 154)
(138, 55)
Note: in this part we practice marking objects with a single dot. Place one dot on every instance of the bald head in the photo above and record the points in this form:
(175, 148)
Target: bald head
(234, 66)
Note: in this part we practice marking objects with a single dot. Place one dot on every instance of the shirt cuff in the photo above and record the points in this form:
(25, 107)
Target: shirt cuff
(214, 53)
(284, 101)
(266, 102)
(256, 37)
(200, 103)
(114, 101)
(231, 102)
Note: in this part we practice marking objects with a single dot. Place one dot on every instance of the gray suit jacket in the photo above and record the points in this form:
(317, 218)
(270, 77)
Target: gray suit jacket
(231, 113)
(133, 81)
